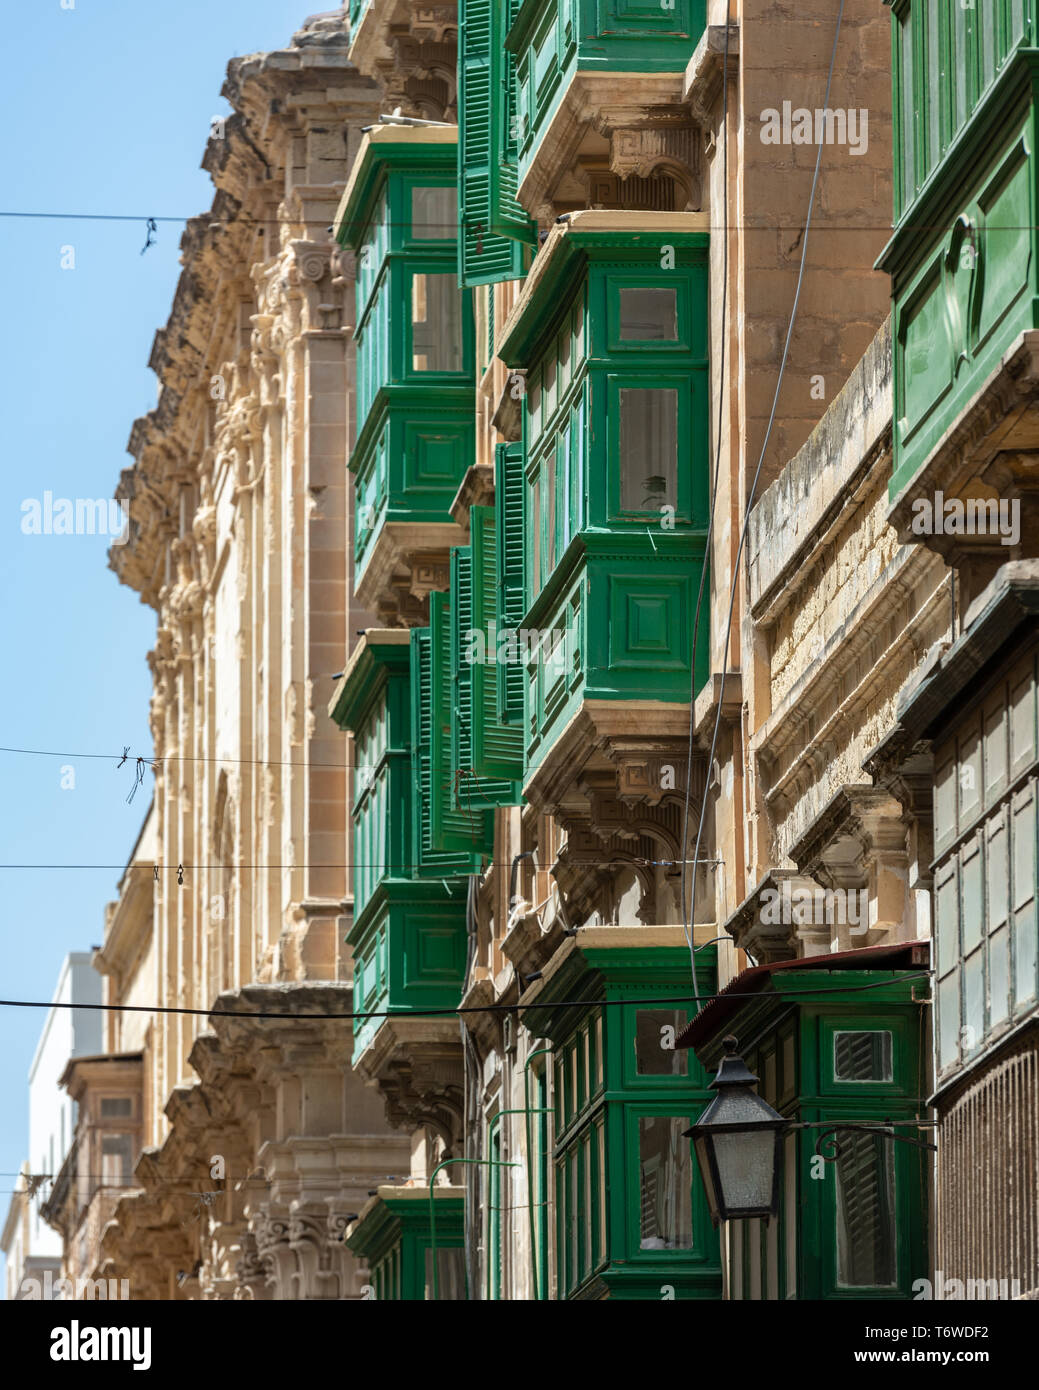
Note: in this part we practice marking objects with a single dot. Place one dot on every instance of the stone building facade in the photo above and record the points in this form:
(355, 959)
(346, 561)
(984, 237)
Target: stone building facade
(665, 711)
(252, 1140)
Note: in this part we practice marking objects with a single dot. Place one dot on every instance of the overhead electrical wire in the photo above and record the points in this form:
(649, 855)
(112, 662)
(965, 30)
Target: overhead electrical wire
(461, 1009)
(253, 222)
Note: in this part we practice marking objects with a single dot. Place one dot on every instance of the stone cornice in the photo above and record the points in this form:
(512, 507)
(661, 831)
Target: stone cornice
(261, 242)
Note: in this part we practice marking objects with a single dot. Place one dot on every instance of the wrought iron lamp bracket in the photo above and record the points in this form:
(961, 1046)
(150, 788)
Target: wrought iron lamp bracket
(828, 1148)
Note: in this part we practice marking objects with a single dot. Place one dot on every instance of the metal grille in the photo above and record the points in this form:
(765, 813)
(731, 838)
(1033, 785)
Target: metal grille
(988, 1175)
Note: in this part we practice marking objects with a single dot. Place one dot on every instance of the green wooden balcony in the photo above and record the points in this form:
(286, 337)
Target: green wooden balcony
(415, 432)
(408, 931)
(963, 258)
(358, 10)
(611, 489)
(629, 1206)
(394, 1236)
(839, 1044)
(606, 56)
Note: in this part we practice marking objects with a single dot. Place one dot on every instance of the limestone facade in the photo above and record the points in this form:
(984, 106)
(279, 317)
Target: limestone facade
(252, 1142)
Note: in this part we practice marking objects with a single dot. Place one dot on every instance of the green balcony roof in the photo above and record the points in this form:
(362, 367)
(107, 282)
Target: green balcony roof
(380, 651)
(618, 236)
(384, 149)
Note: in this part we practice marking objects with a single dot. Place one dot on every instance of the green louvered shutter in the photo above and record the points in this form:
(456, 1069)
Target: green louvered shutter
(425, 775)
(451, 829)
(511, 607)
(461, 676)
(507, 216)
(484, 257)
(497, 748)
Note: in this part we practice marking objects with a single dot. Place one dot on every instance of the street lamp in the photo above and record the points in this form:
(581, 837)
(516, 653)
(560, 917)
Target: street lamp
(737, 1142)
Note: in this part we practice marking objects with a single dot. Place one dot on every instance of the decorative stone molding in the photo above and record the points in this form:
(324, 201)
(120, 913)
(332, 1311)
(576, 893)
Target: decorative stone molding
(859, 842)
(408, 559)
(475, 490)
(411, 51)
(645, 122)
(706, 68)
(644, 150)
(632, 756)
(416, 1065)
(752, 928)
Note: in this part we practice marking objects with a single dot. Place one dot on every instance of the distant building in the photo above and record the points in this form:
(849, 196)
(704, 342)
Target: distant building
(31, 1246)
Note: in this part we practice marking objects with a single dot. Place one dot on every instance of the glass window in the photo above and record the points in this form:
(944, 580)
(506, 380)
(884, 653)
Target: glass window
(434, 214)
(564, 358)
(655, 1034)
(907, 114)
(436, 324)
(535, 512)
(862, 1056)
(665, 1177)
(586, 1205)
(648, 449)
(116, 1107)
(866, 1212)
(548, 376)
(550, 513)
(115, 1160)
(600, 1236)
(649, 315)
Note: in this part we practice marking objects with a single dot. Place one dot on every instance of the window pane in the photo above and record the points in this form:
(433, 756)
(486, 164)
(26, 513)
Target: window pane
(115, 1107)
(550, 513)
(434, 213)
(862, 1056)
(907, 114)
(115, 1160)
(648, 449)
(649, 315)
(972, 900)
(600, 1242)
(973, 1001)
(948, 1020)
(655, 1034)
(436, 324)
(865, 1212)
(665, 1175)
(535, 512)
(999, 976)
(586, 1203)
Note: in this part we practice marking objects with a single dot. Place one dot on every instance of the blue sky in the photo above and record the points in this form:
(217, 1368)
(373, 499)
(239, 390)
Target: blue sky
(108, 105)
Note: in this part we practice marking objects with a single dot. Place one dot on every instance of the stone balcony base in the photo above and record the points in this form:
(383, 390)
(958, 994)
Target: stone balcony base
(409, 561)
(416, 1065)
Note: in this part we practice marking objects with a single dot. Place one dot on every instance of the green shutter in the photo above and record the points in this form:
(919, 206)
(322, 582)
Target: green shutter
(451, 829)
(426, 776)
(484, 256)
(508, 494)
(497, 748)
(473, 791)
(507, 216)
(461, 676)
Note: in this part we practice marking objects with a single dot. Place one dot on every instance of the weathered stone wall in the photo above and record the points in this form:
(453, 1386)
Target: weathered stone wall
(842, 614)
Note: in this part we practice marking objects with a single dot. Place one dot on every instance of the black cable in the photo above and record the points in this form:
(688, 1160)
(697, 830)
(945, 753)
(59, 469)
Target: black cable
(445, 1012)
